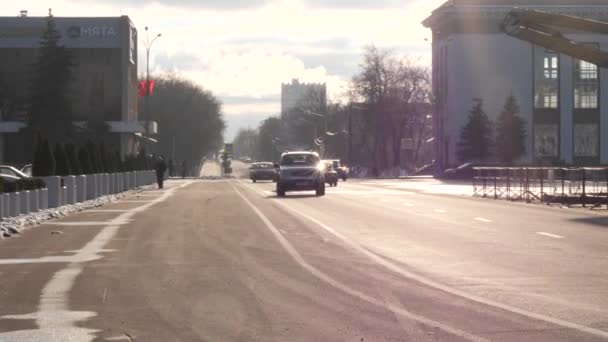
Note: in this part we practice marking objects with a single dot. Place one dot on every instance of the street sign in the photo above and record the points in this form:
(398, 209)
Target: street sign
(228, 149)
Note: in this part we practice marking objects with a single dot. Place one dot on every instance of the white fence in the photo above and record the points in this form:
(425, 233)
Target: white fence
(72, 190)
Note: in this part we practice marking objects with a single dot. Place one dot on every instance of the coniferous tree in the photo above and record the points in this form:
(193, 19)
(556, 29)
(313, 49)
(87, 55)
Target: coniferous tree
(37, 160)
(510, 133)
(476, 136)
(49, 104)
(103, 158)
(63, 167)
(75, 166)
(45, 163)
(84, 157)
(117, 162)
(95, 157)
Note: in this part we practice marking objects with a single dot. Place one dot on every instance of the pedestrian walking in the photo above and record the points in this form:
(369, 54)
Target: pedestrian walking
(160, 167)
(184, 169)
(171, 168)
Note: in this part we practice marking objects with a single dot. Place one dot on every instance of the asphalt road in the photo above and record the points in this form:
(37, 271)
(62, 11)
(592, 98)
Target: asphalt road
(227, 260)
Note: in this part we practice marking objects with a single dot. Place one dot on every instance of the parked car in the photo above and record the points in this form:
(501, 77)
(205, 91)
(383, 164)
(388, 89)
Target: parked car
(426, 170)
(12, 171)
(262, 171)
(27, 169)
(340, 169)
(464, 171)
(8, 178)
(300, 171)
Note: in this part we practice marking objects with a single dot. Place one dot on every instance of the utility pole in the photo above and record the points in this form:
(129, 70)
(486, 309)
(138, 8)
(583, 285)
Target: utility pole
(148, 45)
(350, 134)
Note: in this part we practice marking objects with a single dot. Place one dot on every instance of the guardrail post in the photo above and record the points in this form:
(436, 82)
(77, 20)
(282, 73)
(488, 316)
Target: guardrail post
(563, 185)
(584, 195)
(542, 188)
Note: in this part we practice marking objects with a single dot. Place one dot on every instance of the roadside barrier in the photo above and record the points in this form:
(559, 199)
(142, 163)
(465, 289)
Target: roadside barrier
(586, 186)
(71, 189)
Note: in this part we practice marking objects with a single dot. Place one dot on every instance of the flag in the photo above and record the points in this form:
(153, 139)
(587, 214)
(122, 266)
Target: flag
(141, 88)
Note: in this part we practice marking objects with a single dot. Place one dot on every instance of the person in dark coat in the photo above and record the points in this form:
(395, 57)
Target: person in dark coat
(160, 167)
(184, 169)
(171, 168)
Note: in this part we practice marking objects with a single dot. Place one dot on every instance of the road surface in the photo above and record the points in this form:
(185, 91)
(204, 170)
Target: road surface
(226, 260)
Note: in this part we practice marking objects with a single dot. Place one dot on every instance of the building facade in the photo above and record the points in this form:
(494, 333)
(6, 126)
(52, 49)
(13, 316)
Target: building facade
(561, 99)
(305, 96)
(104, 84)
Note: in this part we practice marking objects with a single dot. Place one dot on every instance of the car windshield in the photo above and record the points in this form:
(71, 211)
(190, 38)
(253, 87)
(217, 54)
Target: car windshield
(12, 172)
(300, 159)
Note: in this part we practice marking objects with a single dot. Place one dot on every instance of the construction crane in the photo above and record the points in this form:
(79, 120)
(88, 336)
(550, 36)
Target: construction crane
(543, 29)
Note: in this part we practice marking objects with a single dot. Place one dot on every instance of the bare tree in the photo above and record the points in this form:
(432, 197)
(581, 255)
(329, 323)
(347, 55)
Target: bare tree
(396, 93)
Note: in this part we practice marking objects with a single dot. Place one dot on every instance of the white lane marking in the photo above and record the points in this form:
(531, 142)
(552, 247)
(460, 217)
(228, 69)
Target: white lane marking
(429, 282)
(133, 201)
(84, 223)
(409, 205)
(550, 235)
(56, 322)
(440, 211)
(105, 295)
(338, 285)
(481, 219)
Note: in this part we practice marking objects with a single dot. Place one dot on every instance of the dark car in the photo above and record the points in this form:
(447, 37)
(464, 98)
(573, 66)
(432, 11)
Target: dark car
(262, 171)
(331, 175)
(340, 169)
(464, 171)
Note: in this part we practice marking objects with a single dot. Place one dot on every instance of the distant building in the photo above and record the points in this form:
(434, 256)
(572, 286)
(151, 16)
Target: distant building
(303, 96)
(562, 99)
(104, 87)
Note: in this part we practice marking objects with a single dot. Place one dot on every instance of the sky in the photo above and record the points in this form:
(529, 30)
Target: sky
(242, 50)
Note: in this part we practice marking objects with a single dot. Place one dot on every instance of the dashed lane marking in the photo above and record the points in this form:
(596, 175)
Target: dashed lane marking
(550, 235)
(296, 256)
(449, 289)
(54, 317)
(481, 219)
(84, 223)
(440, 211)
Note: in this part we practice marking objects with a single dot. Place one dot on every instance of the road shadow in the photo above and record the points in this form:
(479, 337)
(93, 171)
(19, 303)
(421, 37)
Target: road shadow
(601, 221)
(288, 196)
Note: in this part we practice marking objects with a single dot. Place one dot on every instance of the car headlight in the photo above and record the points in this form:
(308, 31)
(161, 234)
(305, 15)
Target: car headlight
(320, 167)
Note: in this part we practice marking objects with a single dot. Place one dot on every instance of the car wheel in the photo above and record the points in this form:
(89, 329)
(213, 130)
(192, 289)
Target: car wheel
(321, 190)
(280, 191)
(335, 183)
(253, 180)
(344, 178)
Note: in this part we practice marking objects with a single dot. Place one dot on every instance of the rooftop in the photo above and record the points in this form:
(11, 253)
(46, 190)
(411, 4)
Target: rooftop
(596, 9)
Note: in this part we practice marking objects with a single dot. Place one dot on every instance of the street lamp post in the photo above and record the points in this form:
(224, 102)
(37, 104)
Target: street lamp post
(148, 45)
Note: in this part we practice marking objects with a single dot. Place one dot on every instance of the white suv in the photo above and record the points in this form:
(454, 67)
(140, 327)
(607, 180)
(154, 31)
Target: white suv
(300, 171)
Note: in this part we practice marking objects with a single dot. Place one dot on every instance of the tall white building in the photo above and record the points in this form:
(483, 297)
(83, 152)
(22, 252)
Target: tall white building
(561, 99)
(305, 96)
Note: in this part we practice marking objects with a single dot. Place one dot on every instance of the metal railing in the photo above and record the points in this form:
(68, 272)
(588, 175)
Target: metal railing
(586, 186)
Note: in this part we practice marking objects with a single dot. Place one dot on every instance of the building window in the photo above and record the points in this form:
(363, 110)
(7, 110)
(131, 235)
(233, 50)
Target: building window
(546, 79)
(546, 140)
(586, 85)
(586, 140)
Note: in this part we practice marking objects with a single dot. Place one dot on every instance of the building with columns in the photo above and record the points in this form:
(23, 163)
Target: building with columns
(562, 99)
